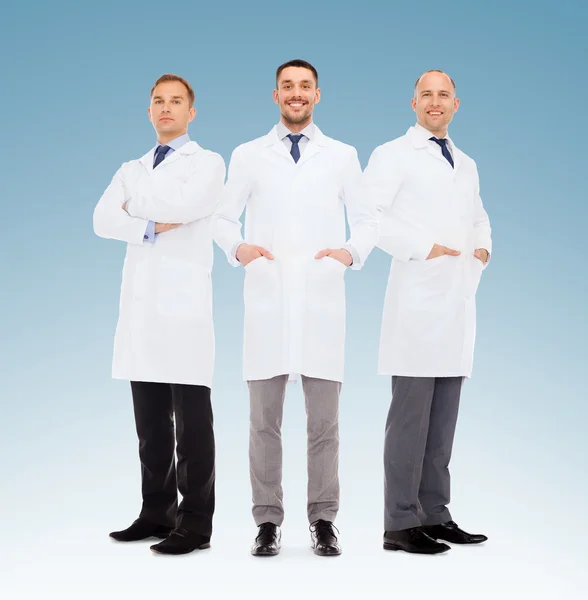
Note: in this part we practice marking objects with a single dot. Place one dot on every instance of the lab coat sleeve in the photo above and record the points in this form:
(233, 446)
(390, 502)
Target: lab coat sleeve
(482, 231)
(361, 214)
(111, 220)
(400, 235)
(182, 201)
(226, 227)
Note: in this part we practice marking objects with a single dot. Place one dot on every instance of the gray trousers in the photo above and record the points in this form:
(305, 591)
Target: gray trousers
(265, 447)
(417, 450)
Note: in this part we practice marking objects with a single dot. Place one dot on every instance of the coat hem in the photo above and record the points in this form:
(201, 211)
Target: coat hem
(306, 374)
(179, 381)
(413, 374)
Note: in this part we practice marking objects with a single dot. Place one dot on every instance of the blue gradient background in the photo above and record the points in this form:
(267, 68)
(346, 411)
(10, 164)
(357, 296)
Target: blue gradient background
(75, 83)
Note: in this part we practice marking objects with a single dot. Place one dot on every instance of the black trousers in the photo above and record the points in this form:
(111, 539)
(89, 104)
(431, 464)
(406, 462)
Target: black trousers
(155, 405)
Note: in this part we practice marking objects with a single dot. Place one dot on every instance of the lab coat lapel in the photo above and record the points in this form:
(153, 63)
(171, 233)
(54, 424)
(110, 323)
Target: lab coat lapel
(420, 142)
(436, 152)
(274, 143)
(457, 158)
(147, 159)
(188, 148)
(313, 147)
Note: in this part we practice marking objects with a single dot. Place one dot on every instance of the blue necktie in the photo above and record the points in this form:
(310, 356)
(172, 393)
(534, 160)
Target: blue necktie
(444, 149)
(160, 153)
(295, 150)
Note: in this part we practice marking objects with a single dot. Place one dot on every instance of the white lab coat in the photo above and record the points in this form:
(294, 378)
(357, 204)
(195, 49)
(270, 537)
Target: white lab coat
(429, 319)
(294, 304)
(165, 330)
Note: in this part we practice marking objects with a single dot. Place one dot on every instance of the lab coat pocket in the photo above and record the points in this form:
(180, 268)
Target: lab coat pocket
(325, 285)
(474, 268)
(337, 264)
(325, 308)
(261, 280)
(262, 294)
(182, 290)
(433, 277)
(264, 324)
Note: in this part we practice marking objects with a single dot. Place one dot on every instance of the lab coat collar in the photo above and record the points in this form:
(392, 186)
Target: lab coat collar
(420, 138)
(309, 131)
(315, 143)
(188, 148)
(273, 138)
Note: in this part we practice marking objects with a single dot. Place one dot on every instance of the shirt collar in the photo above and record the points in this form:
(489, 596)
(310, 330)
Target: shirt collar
(425, 134)
(309, 131)
(176, 143)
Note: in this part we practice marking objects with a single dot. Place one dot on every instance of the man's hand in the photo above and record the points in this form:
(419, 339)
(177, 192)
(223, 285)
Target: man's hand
(247, 253)
(342, 255)
(124, 206)
(161, 227)
(481, 254)
(437, 250)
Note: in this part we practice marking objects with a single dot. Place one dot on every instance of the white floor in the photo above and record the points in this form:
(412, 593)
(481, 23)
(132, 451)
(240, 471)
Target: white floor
(57, 513)
(82, 563)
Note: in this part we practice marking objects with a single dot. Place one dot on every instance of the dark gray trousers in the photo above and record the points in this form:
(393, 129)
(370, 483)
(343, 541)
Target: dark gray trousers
(417, 450)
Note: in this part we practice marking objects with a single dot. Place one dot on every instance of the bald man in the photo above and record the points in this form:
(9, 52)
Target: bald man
(434, 225)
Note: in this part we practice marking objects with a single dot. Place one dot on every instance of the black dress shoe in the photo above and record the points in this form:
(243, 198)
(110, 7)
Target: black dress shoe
(324, 540)
(141, 529)
(182, 541)
(413, 540)
(267, 542)
(450, 532)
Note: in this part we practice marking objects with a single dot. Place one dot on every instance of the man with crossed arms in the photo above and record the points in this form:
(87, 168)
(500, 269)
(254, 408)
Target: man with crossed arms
(161, 205)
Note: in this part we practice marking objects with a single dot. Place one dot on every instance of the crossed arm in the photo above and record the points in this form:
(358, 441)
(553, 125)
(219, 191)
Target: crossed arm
(179, 202)
(169, 203)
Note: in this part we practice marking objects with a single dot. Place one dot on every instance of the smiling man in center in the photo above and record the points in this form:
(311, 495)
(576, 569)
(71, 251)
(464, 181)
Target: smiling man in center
(295, 184)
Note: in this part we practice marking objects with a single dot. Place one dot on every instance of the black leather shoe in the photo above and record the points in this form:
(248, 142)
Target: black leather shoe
(324, 540)
(267, 542)
(181, 541)
(450, 532)
(141, 529)
(413, 540)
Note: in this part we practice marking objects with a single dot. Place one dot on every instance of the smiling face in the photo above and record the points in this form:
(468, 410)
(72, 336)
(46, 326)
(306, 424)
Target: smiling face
(170, 110)
(434, 102)
(296, 94)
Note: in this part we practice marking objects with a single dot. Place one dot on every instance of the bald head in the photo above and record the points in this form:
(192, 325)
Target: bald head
(424, 76)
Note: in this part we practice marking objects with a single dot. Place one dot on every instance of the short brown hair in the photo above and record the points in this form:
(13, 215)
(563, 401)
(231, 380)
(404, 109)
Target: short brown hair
(297, 63)
(433, 71)
(172, 77)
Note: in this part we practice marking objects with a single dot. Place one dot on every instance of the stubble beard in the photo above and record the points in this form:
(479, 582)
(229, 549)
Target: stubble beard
(436, 127)
(297, 119)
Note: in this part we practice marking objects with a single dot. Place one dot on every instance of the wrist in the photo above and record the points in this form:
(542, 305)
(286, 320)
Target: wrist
(237, 248)
(350, 259)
